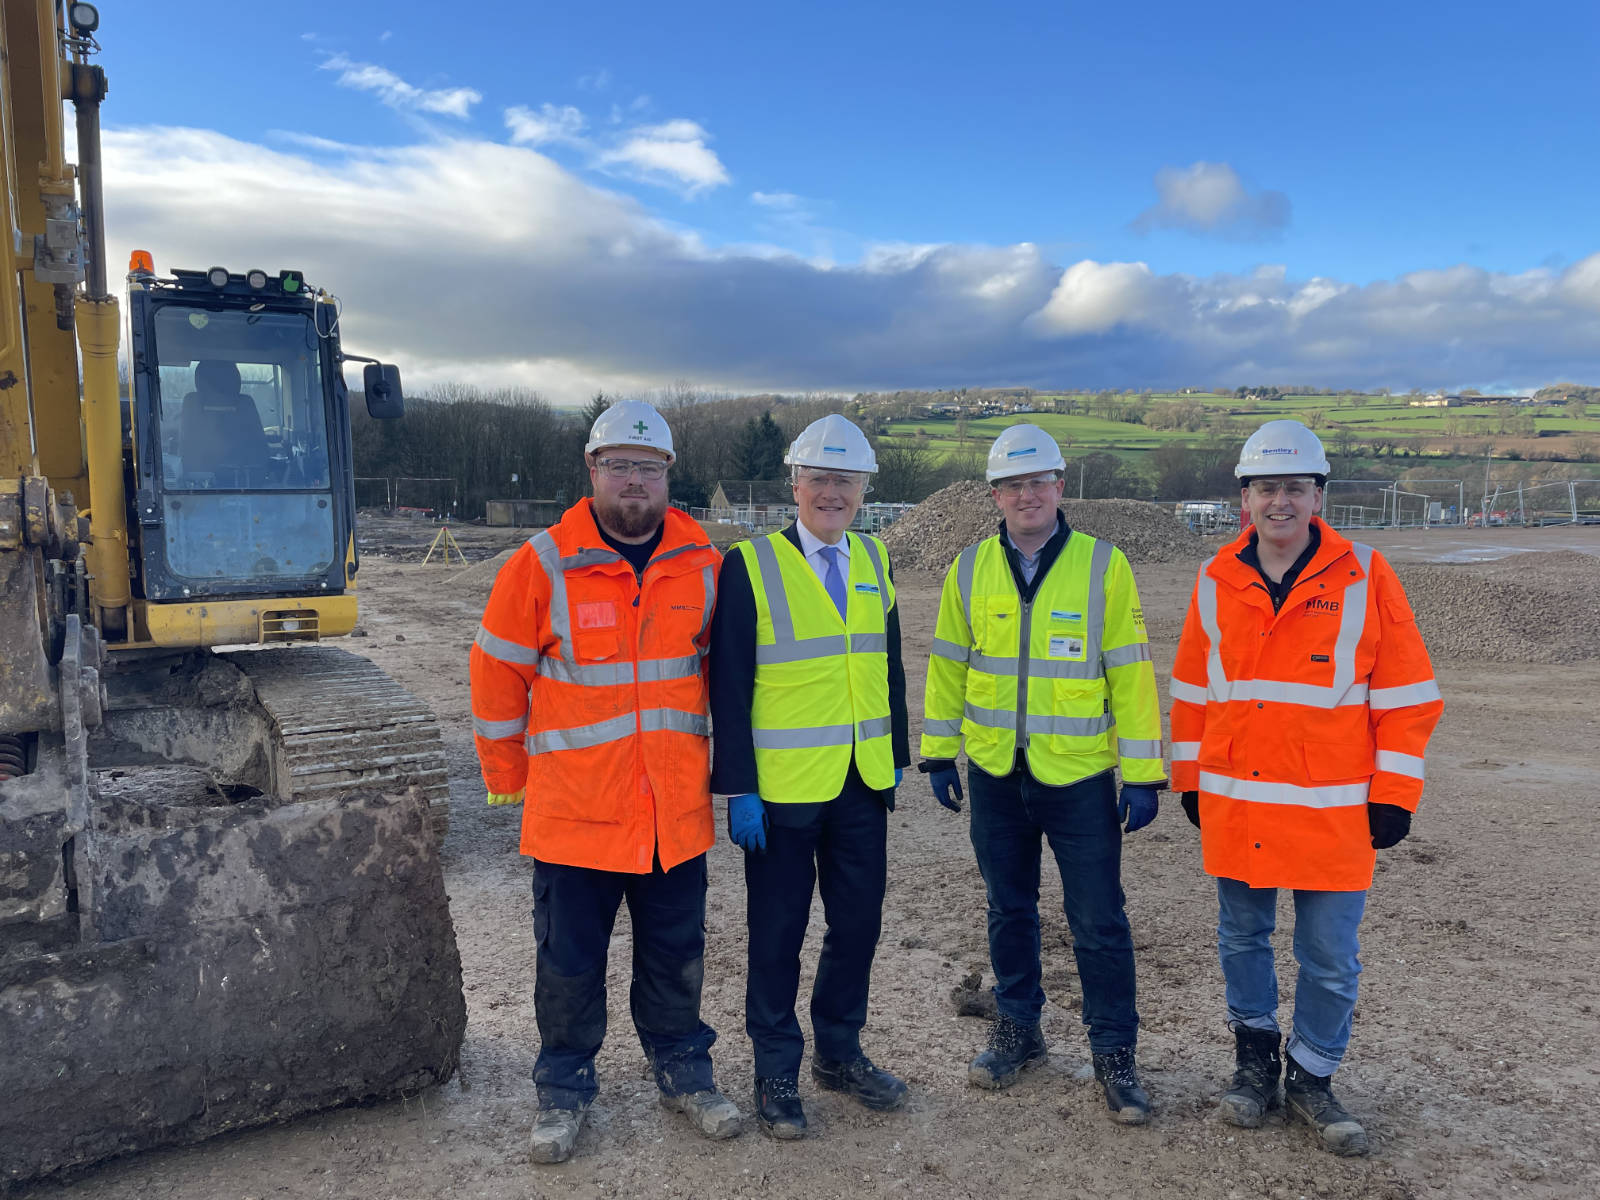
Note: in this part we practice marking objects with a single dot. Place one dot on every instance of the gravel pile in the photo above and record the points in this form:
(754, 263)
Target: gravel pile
(1529, 608)
(930, 536)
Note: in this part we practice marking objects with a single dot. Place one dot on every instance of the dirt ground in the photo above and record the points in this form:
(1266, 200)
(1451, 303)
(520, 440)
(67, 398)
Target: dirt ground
(1475, 1060)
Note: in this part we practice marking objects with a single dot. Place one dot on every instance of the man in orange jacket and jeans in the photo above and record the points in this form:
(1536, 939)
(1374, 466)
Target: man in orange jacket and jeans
(589, 704)
(1303, 701)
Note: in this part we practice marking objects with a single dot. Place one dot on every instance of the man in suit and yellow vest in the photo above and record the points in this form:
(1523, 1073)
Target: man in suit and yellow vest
(1041, 665)
(1302, 704)
(589, 705)
(808, 702)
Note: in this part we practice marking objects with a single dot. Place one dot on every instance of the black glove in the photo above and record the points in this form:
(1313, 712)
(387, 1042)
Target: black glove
(1191, 807)
(1389, 824)
(945, 780)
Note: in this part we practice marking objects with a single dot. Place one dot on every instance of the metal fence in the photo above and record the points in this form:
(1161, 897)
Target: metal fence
(1573, 502)
(1371, 504)
(763, 518)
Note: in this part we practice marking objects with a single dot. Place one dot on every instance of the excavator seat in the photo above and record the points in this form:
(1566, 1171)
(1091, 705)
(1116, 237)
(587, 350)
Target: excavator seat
(219, 427)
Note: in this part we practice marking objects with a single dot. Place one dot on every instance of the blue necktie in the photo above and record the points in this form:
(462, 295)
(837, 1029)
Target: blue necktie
(832, 580)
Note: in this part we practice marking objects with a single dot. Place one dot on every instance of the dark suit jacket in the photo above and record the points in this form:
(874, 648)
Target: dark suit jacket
(733, 680)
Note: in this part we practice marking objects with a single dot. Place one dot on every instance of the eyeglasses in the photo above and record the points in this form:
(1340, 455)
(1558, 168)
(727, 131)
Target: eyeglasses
(1034, 483)
(821, 481)
(1295, 489)
(650, 469)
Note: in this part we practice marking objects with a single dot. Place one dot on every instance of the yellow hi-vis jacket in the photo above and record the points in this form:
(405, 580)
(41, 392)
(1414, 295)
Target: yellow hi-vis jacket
(822, 683)
(1065, 676)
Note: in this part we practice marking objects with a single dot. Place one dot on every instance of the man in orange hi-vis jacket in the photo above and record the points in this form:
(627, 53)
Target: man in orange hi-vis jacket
(1302, 704)
(589, 698)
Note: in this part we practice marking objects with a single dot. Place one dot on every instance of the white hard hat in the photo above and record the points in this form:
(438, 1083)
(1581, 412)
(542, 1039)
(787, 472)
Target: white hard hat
(832, 441)
(631, 423)
(1023, 450)
(1281, 448)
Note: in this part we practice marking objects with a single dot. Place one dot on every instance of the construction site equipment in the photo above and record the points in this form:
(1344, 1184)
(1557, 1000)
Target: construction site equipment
(444, 543)
(221, 901)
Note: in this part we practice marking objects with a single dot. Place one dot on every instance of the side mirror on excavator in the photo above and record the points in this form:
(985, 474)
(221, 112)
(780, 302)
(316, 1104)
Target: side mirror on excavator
(385, 400)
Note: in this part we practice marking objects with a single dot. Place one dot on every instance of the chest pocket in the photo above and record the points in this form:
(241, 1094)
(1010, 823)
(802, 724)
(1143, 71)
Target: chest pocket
(1066, 635)
(995, 622)
(596, 630)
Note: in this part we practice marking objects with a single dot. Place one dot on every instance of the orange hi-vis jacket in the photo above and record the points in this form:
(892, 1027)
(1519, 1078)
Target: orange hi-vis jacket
(1289, 723)
(589, 688)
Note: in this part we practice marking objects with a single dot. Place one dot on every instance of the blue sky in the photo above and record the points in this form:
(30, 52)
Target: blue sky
(929, 194)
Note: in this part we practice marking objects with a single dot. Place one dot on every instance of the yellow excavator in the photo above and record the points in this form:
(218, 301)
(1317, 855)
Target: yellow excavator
(221, 901)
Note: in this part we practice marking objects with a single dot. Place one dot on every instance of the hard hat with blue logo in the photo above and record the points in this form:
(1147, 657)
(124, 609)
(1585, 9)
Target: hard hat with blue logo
(1023, 450)
(1282, 448)
(833, 442)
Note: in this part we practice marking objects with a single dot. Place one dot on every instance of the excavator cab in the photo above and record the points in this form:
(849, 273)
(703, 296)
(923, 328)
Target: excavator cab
(240, 421)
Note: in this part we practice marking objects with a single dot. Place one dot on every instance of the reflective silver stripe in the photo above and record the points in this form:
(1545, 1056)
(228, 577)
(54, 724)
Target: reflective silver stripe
(505, 651)
(1206, 596)
(966, 562)
(990, 718)
(1191, 692)
(869, 643)
(580, 737)
(1185, 751)
(686, 548)
(550, 558)
(777, 598)
(1310, 694)
(591, 556)
(1352, 620)
(1124, 656)
(830, 646)
(493, 730)
(1099, 563)
(674, 720)
(872, 727)
(1406, 695)
(804, 739)
(876, 556)
(941, 728)
(950, 650)
(657, 670)
(708, 577)
(1137, 748)
(1260, 791)
(1055, 726)
(1400, 764)
(1038, 668)
(586, 674)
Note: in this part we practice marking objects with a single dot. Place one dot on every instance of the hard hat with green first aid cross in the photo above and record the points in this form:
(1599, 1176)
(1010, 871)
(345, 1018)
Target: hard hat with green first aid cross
(631, 423)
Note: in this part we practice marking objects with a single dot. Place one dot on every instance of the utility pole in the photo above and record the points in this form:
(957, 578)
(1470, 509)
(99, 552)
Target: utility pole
(1487, 459)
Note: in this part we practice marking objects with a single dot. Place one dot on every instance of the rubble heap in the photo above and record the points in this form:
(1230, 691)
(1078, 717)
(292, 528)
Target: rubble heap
(1539, 607)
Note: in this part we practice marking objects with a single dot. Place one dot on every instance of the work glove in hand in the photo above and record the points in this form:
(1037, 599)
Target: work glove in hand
(945, 780)
(507, 797)
(747, 821)
(1137, 806)
(1389, 824)
(888, 792)
(1191, 808)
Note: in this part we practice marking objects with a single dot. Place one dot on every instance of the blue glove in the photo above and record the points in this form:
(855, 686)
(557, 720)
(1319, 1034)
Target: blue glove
(747, 821)
(1137, 806)
(898, 776)
(945, 781)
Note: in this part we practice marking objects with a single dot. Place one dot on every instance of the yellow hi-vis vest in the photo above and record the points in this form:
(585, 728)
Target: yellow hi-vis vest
(822, 684)
(1066, 676)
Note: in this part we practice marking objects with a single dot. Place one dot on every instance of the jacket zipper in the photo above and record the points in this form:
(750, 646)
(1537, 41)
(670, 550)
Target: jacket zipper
(1024, 651)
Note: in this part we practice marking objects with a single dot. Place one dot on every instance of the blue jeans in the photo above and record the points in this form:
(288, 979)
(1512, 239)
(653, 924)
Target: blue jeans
(1326, 948)
(574, 909)
(1009, 816)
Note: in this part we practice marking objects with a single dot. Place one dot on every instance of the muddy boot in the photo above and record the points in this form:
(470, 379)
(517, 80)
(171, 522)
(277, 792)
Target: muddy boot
(1013, 1048)
(555, 1133)
(1255, 1078)
(1310, 1099)
(1125, 1096)
(712, 1113)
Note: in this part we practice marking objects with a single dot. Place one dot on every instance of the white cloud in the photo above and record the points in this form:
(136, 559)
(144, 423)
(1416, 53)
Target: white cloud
(549, 124)
(397, 93)
(484, 262)
(595, 81)
(783, 201)
(672, 152)
(1211, 198)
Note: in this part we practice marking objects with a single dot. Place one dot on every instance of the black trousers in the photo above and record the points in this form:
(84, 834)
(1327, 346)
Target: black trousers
(841, 847)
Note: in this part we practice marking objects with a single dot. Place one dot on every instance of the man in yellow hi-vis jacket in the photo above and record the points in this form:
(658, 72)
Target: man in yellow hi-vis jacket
(1040, 664)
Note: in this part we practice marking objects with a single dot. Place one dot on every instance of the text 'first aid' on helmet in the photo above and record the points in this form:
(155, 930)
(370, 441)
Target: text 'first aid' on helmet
(1281, 448)
(832, 441)
(631, 423)
(1023, 450)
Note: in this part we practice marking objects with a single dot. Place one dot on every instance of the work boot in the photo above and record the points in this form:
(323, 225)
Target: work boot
(1013, 1048)
(858, 1078)
(778, 1108)
(555, 1132)
(1125, 1096)
(1255, 1077)
(712, 1113)
(1310, 1099)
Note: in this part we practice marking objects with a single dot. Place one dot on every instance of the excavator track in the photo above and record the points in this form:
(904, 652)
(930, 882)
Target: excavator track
(342, 723)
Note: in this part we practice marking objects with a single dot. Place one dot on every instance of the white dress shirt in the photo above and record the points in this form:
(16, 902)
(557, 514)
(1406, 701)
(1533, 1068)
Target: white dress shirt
(811, 544)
